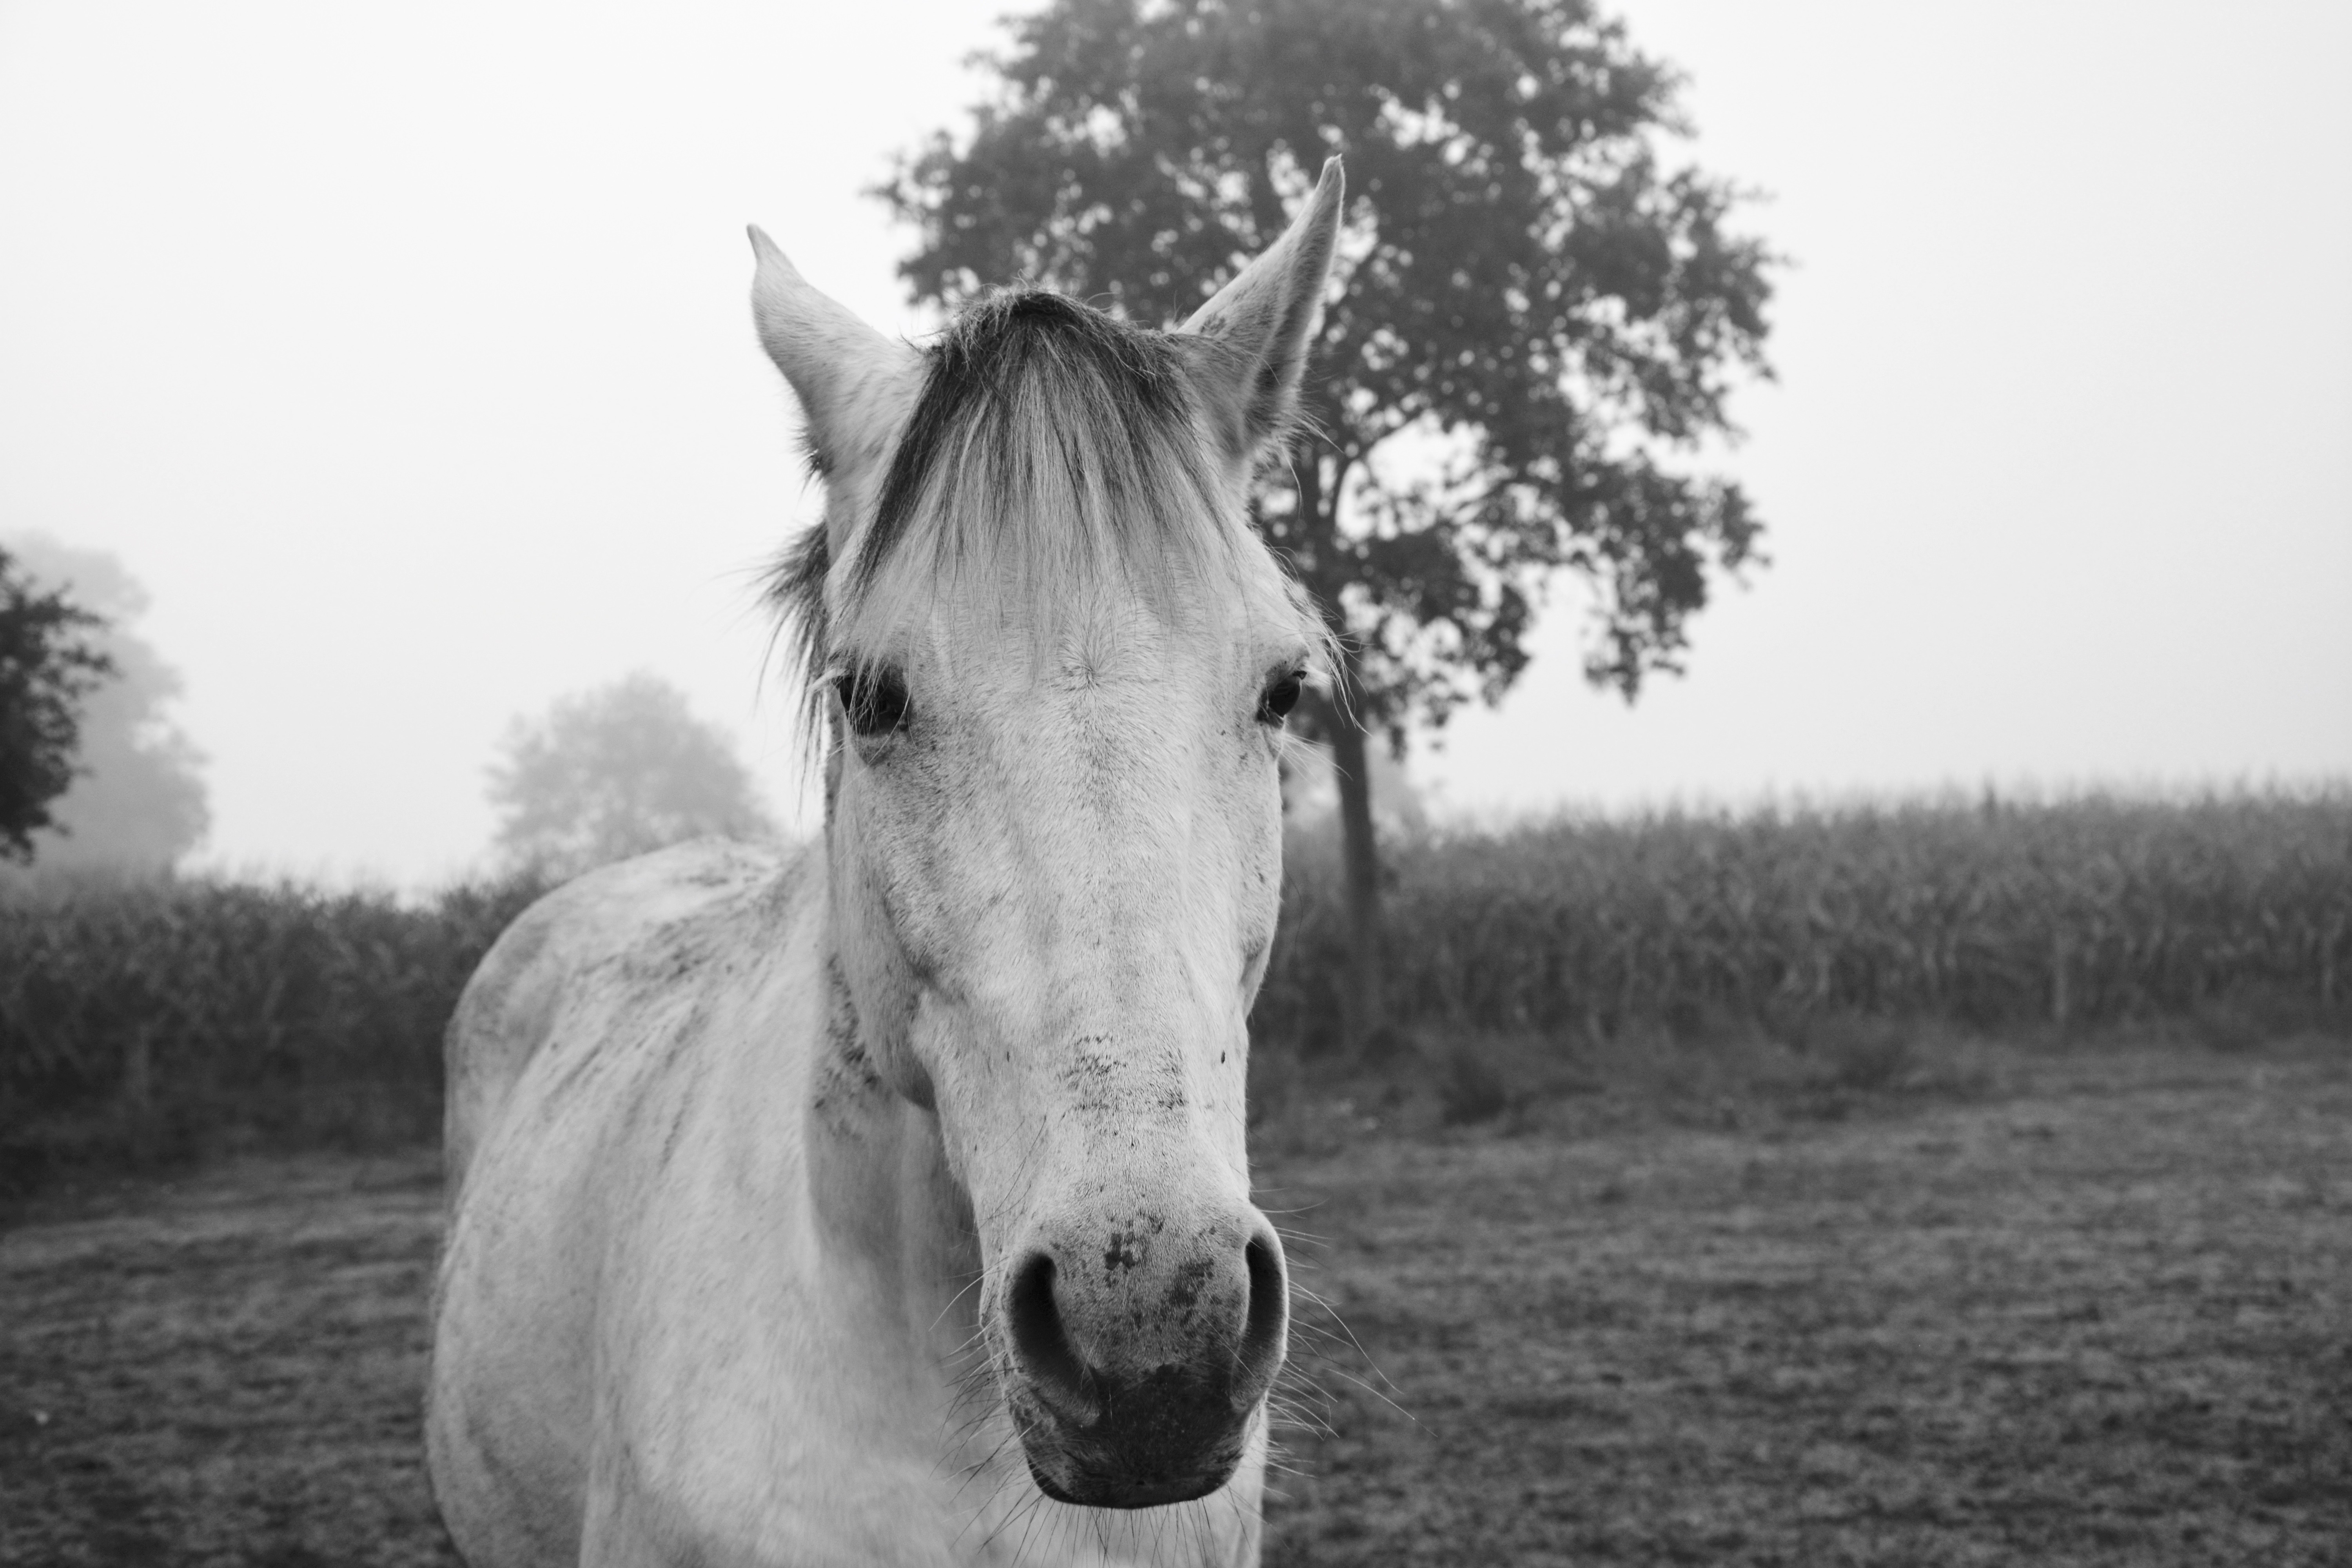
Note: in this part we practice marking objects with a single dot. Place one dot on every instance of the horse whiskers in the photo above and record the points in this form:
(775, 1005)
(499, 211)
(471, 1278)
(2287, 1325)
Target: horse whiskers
(961, 1422)
(1298, 1378)
(1294, 1414)
(1376, 1394)
(1310, 1426)
(974, 1400)
(955, 1441)
(950, 1307)
(979, 1509)
(1303, 1208)
(1292, 1233)
(1175, 1534)
(1323, 1303)
(1033, 1511)
(977, 1369)
(964, 1416)
(1358, 1346)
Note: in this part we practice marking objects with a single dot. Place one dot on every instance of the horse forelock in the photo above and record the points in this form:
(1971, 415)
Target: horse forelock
(1038, 408)
(1054, 451)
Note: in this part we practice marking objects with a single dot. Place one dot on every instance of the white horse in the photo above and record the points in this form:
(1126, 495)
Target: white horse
(887, 1203)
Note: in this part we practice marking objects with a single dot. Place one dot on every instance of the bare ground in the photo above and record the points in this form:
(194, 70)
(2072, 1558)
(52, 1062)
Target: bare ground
(2097, 1311)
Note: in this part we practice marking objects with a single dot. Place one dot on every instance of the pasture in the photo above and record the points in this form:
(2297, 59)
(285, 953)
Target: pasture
(2079, 1304)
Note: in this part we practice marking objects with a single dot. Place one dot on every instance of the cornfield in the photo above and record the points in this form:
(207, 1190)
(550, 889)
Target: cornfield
(2079, 912)
(143, 1019)
(154, 1019)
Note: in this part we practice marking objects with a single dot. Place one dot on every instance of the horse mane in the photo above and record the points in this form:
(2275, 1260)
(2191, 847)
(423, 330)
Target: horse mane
(1052, 444)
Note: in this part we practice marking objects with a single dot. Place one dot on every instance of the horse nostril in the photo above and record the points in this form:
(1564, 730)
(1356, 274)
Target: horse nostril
(1042, 1345)
(1265, 1332)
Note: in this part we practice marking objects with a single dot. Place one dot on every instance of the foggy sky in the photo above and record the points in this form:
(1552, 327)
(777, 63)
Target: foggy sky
(402, 353)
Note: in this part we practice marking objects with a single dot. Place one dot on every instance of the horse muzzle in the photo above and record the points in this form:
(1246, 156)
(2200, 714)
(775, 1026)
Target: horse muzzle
(1138, 1366)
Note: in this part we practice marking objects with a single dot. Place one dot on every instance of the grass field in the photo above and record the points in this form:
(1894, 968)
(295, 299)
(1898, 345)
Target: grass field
(2091, 1309)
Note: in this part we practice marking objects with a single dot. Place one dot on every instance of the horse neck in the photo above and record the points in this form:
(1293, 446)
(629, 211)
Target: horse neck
(879, 1182)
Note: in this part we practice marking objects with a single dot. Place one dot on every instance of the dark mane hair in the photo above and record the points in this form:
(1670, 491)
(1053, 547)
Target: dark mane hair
(1052, 444)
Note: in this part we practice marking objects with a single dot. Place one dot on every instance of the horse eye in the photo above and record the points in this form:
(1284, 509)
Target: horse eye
(875, 698)
(1281, 695)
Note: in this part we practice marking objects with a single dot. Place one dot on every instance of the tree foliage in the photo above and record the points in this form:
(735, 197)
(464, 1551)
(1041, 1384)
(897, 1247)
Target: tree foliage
(49, 661)
(1534, 322)
(615, 773)
(138, 802)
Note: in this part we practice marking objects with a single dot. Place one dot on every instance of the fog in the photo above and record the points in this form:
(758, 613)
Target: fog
(402, 354)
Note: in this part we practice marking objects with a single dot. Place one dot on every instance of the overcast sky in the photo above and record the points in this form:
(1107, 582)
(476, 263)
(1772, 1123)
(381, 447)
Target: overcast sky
(402, 353)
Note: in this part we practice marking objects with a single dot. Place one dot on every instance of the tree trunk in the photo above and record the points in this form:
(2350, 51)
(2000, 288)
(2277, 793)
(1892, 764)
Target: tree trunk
(137, 1096)
(1363, 1014)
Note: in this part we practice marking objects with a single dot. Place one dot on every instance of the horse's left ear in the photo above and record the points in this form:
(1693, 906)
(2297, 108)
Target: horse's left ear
(1265, 316)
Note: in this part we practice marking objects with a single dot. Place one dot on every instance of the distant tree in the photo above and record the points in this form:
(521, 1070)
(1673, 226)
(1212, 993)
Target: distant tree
(138, 802)
(49, 661)
(615, 773)
(1532, 322)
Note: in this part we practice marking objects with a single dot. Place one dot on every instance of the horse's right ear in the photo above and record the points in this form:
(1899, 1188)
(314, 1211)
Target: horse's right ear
(855, 386)
(1265, 316)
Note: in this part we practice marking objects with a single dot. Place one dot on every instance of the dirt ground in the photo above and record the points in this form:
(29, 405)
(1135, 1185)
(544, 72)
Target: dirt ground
(2098, 1310)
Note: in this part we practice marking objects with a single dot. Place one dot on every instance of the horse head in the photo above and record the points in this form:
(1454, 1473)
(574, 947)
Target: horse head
(1053, 658)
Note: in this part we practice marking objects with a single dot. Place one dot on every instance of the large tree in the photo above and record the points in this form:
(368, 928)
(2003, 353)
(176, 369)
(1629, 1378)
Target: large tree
(138, 802)
(1533, 326)
(613, 772)
(49, 661)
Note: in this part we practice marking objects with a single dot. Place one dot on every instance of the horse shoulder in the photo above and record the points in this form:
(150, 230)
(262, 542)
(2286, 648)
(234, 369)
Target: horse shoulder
(532, 973)
(577, 1054)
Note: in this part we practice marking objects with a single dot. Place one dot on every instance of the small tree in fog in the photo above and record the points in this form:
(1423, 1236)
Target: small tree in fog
(49, 661)
(138, 801)
(613, 772)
